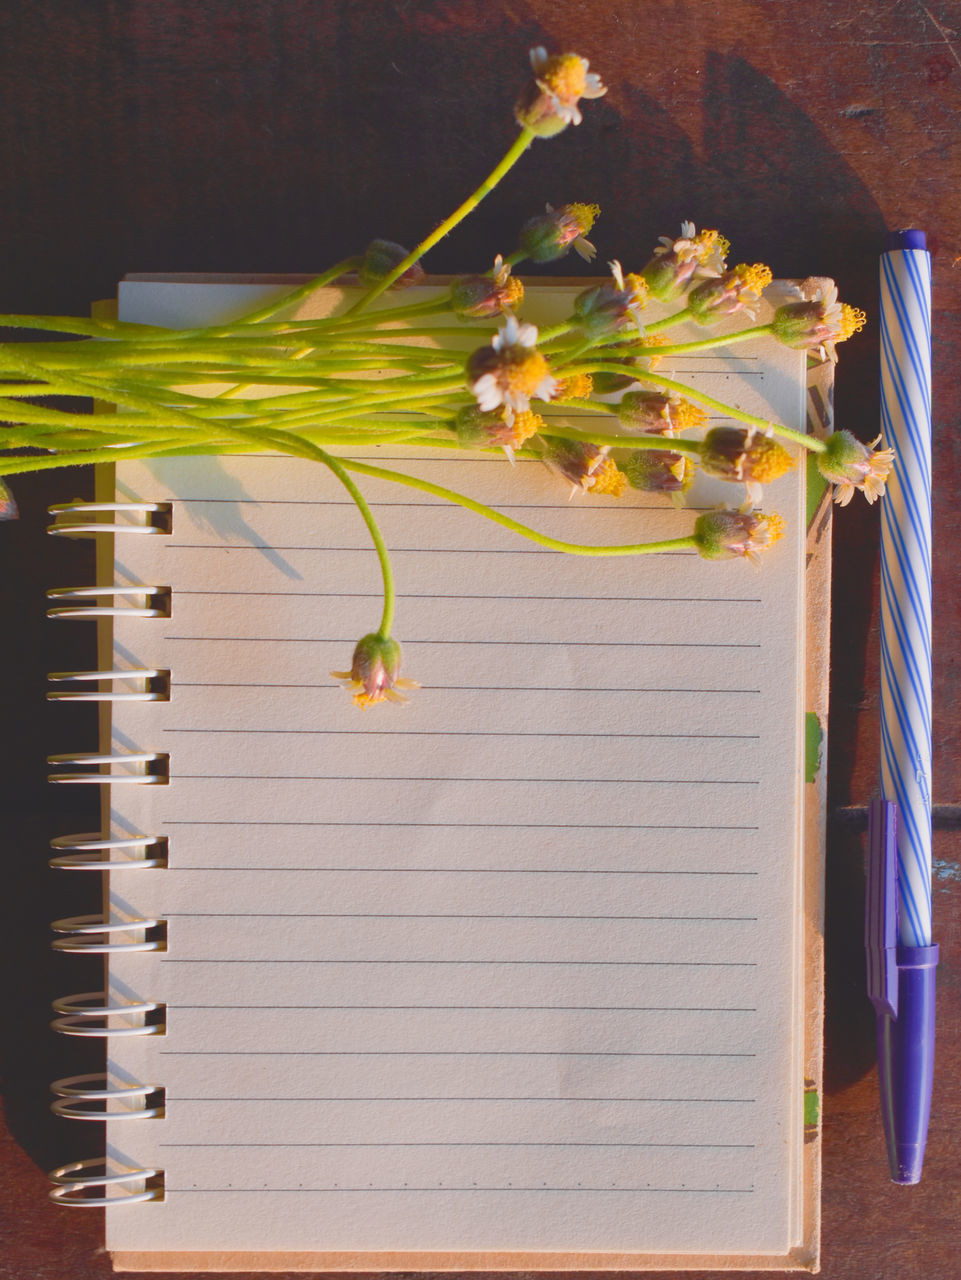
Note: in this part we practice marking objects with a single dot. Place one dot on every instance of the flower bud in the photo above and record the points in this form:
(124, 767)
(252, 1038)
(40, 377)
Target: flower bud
(745, 454)
(657, 413)
(677, 263)
(585, 465)
(483, 297)
(818, 323)
(479, 430)
(736, 290)
(658, 471)
(725, 535)
(379, 260)
(552, 234)
(612, 306)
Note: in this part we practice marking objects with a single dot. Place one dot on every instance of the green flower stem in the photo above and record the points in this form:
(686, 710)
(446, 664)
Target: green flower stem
(669, 444)
(656, 326)
(373, 320)
(481, 509)
(88, 457)
(547, 336)
(811, 443)
(298, 295)
(704, 344)
(81, 326)
(729, 411)
(516, 150)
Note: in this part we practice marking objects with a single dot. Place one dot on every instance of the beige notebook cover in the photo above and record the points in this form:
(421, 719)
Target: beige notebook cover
(525, 975)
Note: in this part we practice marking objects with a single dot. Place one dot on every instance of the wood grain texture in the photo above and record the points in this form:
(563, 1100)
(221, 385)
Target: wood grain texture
(279, 135)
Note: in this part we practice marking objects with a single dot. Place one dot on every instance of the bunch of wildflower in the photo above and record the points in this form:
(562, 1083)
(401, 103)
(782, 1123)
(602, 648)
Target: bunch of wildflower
(510, 371)
(735, 290)
(483, 297)
(548, 103)
(586, 466)
(552, 234)
(848, 465)
(676, 264)
(817, 323)
(615, 305)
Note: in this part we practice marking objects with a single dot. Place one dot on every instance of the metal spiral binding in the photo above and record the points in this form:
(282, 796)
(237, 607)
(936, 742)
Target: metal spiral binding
(90, 1014)
(76, 1101)
(73, 1181)
(154, 685)
(97, 1182)
(146, 517)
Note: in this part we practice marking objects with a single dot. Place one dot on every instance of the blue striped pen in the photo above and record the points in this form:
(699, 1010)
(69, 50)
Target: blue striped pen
(905, 1007)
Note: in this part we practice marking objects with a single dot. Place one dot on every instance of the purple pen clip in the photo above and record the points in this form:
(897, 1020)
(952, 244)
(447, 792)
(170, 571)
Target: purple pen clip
(901, 986)
(881, 907)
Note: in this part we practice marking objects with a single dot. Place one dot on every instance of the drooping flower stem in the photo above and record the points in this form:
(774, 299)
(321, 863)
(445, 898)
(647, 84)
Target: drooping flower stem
(656, 326)
(704, 344)
(291, 299)
(517, 149)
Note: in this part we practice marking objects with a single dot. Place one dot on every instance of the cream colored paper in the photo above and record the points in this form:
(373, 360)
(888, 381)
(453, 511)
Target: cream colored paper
(514, 968)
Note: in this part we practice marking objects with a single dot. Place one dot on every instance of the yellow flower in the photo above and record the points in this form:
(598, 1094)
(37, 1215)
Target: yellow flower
(657, 413)
(577, 387)
(818, 322)
(477, 429)
(744, 454)
(677, 263)
(549, 103)
(735, 290)
(483, 297)
(725, 535)
(614, 305)
(585, 465)
(511, 370)
(374, 675)
(552, 234)
(848, 464)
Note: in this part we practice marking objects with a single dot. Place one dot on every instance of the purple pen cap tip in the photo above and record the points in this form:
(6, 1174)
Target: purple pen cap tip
(906, 240)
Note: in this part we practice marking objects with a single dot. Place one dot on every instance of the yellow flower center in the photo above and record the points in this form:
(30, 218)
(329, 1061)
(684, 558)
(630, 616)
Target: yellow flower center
(565, 76)
(608, 479)
(756, 277)
(853, 320)
(684, 414)
(577, 387)
(707, 241)
(525, 425)
(584, 215)
(511, 293)
(524, 370)
(768, 460)
(771, 527)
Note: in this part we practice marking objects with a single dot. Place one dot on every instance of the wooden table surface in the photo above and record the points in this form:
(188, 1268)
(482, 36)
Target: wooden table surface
(281, 135)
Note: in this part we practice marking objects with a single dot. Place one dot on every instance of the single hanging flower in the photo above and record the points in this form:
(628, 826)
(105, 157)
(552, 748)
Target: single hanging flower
(738, 289)
(483, 297)
(615, 305)
(725, 535)
(511, 370)
(677, 263)
(374, 674)
(818, 322)
(848, 465)
(379, 260)
(548, 103)
(552, 234)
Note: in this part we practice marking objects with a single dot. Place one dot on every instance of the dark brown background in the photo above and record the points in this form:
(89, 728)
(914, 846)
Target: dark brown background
(280, 135)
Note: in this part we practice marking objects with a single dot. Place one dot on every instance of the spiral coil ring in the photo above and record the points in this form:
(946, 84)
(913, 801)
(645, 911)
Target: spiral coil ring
(86, 851)
(92, 1183)
(80, 927)
(89, 1014)
(159, 609)
(73, 1181)
(68, 519)
(75, 1102)
(154, 685)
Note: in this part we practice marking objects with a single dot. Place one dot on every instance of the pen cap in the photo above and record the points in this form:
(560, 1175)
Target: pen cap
(905, 1063)
(906, 240)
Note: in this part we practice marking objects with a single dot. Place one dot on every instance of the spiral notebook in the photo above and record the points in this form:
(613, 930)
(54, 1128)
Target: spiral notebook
(524, 975)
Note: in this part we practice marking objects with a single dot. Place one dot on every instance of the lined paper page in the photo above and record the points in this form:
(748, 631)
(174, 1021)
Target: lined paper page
(513, 967)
